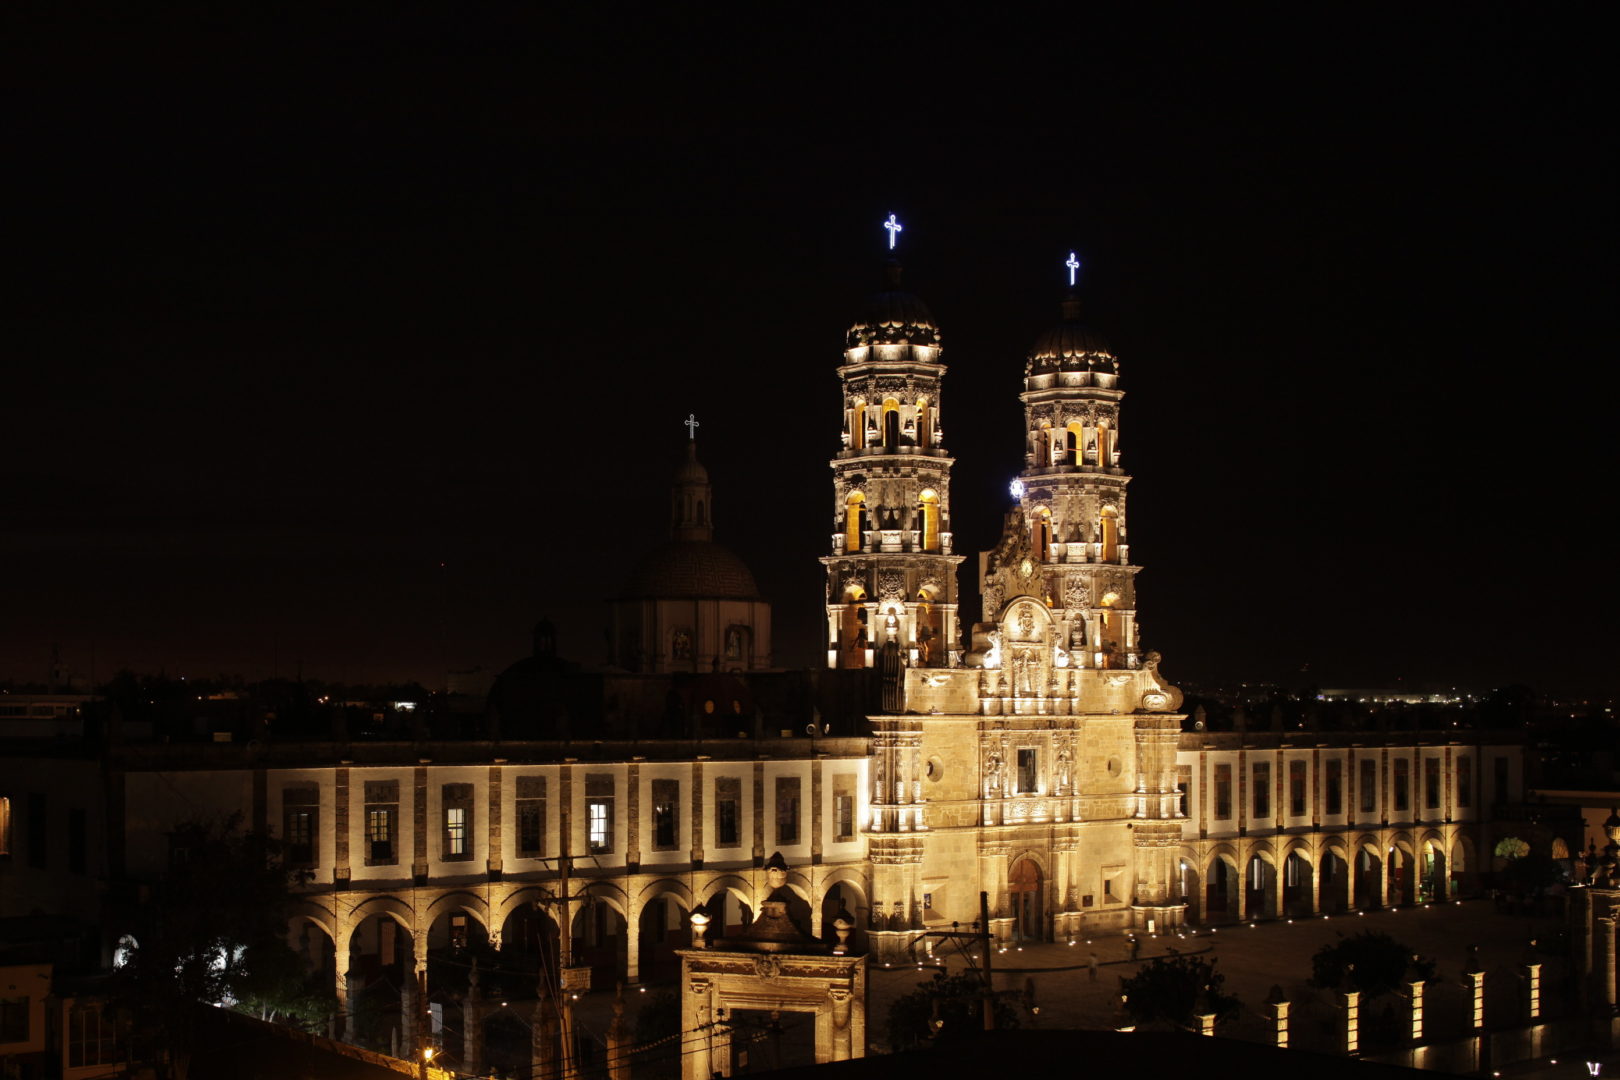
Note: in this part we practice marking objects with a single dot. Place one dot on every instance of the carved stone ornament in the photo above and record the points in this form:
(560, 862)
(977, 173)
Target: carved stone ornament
(853, 582)
(992, 599)
(1076, 593)
(891, 585)
(767, 966)
(930, 586)
(1026, 621)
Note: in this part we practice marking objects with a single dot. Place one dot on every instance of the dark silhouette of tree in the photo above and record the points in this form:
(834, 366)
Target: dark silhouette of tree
(1178, 989)
(212, 931)
(1369, 962)
(953, 1001)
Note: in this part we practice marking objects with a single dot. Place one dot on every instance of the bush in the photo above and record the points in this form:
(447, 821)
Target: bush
(1373, 964)
(959, 998)
(1178, 989)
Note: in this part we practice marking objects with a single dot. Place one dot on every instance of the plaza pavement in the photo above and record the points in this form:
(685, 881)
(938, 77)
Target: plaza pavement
(1253, 958)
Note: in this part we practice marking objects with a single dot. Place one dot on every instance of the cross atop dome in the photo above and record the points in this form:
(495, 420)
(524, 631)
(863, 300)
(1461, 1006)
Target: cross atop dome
(895, 228)
(1074, 268)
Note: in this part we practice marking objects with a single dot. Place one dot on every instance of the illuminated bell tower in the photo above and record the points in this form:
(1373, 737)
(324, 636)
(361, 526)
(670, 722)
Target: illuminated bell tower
(891, 576)
(1071, 494)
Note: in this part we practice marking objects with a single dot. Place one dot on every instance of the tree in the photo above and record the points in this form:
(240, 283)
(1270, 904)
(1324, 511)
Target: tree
(212, 931)
(958, 1001)
(1177, 989)
(1371, 963)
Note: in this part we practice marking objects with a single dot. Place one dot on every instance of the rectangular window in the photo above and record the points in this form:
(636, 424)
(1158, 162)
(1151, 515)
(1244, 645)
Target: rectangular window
(1027, 782)
(1499, 780)
(1431, 783)
(844, 807)
(1223, 792)
(666, 810)
(531, 817)
(1369, 786)
(1262, 789)
(1184, 786)
(599, 812)
(37, 857)
(14, 1019)
(1465, 782)
(92, 1037)
(382, 822)
(300, 807)
(77, 837)
(456, 800)
(727, 811)
(1334, 793)
(1403, 784)
(1296, 788)
(787, 809)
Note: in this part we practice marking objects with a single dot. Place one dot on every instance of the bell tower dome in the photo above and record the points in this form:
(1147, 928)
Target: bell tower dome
(1071, 493)
(891, 573)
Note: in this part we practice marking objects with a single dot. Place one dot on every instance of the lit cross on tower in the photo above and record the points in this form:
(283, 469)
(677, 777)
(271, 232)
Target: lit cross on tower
(1074, 268)
(894, 227)
(1017, 489)
(692, 425)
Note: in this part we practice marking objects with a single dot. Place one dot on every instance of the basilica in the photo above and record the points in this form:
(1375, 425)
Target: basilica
(1031, 751)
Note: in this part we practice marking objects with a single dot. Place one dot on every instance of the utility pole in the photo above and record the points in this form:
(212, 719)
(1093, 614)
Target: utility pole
(572, 981)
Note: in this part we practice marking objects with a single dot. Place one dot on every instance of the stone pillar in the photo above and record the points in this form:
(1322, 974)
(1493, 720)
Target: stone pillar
(1474, 981)
(1606, 998)
(1206, 1023)
(409, 1011)
(618, 1041)
(472, 1025)
(698, 1062)
(1532, 993)
(1351, 1044)
(543, 1035)
(841, 1008)
(1414, 1001)
(1280, 885)
(632, 940)
(1279, 1024)
(346, 994)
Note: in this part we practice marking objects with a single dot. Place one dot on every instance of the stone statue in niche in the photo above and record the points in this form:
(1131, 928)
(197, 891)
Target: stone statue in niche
(1065, 761)
(992, 773)
(1026, 621)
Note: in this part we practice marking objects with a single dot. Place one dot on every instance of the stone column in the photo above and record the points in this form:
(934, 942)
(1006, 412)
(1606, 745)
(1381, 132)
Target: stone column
(1351, 1044)
(472, 1025)
(346, 995)
(618, 1041)
(1606, 998)
(842, 1006)
(632, 940)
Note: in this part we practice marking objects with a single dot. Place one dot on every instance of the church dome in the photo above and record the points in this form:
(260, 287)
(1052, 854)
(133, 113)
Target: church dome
(1071, 343)
(893, 317)
(691, 569)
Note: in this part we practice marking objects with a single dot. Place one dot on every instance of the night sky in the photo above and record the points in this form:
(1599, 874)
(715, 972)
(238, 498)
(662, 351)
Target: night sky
(355, 347)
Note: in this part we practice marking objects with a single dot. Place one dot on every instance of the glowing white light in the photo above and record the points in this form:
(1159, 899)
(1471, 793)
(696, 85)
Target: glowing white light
(894, 227)
(1017, 489)
(692, 425)
(1074, 267)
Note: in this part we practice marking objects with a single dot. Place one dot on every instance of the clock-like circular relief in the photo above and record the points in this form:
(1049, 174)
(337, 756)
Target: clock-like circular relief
(1113, 766)
(1026, 568)
(934, 770)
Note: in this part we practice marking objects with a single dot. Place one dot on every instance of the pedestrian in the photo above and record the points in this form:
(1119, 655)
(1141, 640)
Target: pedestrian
(1091, 965)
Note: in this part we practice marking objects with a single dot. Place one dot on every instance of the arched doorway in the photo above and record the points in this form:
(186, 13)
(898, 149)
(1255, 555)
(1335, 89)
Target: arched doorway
(1434, 872)
(1260, 883)
(1221, 895)
(1188, 891)
(1369, 870)
(1297, 883)
(1335, 884)
(663, 928)
(1402, 876)
(379, 963)
(1026, 895)
(600, 940)
(844, 896)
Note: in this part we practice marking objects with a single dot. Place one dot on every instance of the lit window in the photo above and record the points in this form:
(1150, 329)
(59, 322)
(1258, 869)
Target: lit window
(455, 824)
(601, 828)
(1027, 772)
